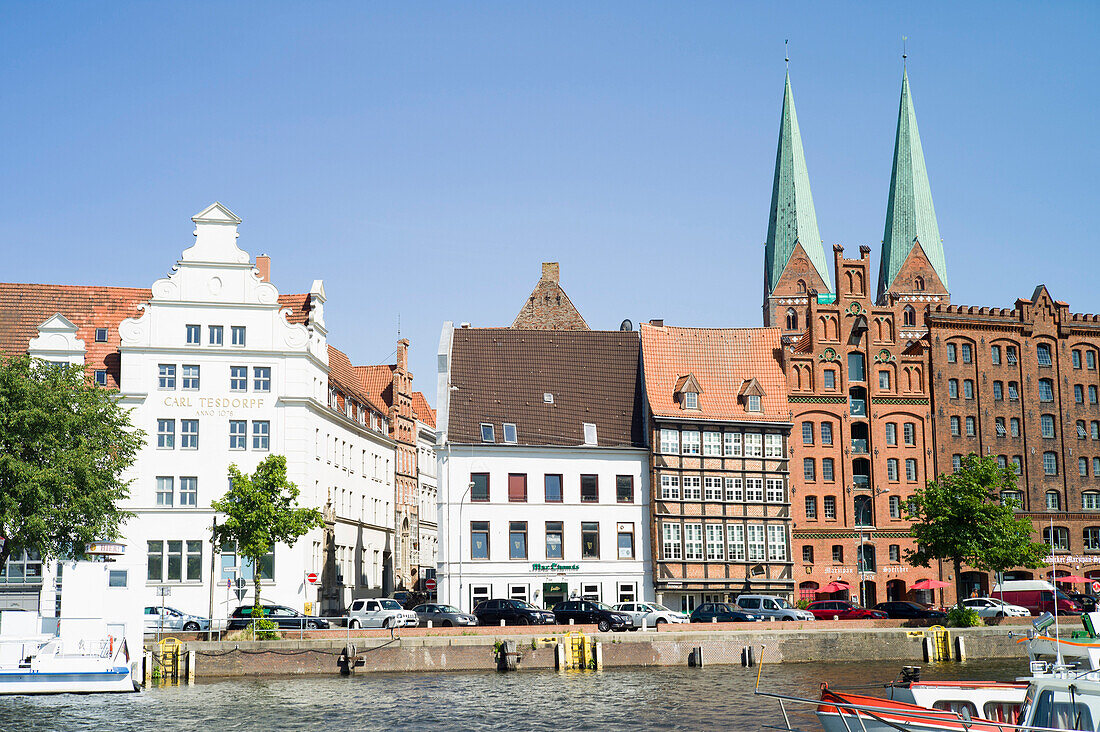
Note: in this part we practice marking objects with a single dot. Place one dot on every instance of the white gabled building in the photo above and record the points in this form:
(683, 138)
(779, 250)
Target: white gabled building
(543, 471)
(220, 368)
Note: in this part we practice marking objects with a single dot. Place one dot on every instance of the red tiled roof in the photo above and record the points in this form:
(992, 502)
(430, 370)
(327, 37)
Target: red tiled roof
(378, 382)
(423, 410)
(24, 307)
(722, 360)
(345, 378)
(299, 307)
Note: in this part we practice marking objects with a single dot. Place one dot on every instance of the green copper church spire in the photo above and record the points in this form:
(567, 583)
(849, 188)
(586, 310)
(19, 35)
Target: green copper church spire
(792, 218)
(910, 216)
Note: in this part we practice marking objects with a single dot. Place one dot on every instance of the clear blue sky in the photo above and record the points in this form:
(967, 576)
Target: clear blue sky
(424, 158)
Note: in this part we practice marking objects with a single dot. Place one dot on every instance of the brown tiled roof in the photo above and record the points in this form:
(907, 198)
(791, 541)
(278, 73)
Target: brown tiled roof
(722, 360)
(299, 307)
(423, 410)
(24, 307)
(501, 374)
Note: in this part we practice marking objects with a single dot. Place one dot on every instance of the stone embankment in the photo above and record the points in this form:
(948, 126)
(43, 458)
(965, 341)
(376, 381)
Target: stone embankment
(455, 649)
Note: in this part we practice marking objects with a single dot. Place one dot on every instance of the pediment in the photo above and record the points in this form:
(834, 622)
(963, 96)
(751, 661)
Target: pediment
(216, 213)
(58, 323)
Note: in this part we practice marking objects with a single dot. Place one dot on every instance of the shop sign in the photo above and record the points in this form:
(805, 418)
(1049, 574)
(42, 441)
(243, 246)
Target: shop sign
(1070, 559)
(554, 567)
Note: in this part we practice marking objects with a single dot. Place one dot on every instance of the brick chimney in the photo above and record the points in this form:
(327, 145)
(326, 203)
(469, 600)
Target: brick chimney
(403, 354)
(550, 271)
(263, 264)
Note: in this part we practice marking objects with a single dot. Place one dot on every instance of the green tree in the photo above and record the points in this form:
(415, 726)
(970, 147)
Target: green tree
(959, 517)
(261, 511)
(64, 446)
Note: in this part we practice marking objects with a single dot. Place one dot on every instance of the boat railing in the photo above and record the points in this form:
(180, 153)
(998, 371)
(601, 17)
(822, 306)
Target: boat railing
(889, 716)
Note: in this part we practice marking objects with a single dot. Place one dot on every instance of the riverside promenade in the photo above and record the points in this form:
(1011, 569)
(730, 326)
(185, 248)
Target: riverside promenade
(458, 649)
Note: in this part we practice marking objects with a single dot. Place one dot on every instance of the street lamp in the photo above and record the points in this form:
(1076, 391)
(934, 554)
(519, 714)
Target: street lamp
(461, 503)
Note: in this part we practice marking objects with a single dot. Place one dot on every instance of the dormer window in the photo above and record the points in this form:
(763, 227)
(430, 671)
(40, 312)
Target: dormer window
(751, 395)
(687, 391)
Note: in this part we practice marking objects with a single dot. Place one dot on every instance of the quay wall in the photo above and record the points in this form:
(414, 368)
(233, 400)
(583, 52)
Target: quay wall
(719, 645)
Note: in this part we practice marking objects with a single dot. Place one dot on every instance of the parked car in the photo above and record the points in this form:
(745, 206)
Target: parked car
(1038, 596)
(604, 617)
(172, 619)
(403, 597)
(843, 610)
(444, 616)
(380, 612)
(722, 611)
(1087, 602)
(512, 612)
(286, 618)
(905, 610)
(652, 613)
(770, 606)
(994, 607)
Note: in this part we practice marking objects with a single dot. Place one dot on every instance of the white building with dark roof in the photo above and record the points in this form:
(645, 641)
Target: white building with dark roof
(543, 471)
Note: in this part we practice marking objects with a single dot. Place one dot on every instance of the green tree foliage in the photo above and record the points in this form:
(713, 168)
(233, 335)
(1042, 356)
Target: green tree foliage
(261, 511)
(64, 446)
(959, 517)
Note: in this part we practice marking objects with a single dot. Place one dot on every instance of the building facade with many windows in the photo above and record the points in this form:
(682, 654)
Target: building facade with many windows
(1023, 385)
(221, 369)
(719, 428)
(543, 473)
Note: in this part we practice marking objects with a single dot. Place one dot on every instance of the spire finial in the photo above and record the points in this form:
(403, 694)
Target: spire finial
(904, 50)
(786, 55)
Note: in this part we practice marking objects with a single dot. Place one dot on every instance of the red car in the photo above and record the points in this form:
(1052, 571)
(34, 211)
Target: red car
(843, 610)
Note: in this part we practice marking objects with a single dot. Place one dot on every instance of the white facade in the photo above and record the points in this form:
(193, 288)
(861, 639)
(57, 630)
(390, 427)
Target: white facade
(216, 374)
(502, 562)
(428, 499)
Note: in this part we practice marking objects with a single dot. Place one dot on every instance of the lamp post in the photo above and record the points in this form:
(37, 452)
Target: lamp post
(461, 502)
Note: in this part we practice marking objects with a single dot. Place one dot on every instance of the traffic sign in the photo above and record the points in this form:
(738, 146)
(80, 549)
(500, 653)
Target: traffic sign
(1096, 586)
(241, 593)
(311, 578)
(429, 585)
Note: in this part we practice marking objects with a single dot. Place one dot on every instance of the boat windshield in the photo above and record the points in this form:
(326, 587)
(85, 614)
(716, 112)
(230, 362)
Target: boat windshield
(1057, 709)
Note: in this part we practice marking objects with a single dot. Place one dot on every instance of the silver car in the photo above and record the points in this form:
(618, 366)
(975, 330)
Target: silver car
(442, 616)
(994, 607)
(172, 619)
(770, 606)
(651, 614)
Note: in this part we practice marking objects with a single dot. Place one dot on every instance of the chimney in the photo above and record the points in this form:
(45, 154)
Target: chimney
(550, 271)
(403, 354)
(657, 322)
(263, 264)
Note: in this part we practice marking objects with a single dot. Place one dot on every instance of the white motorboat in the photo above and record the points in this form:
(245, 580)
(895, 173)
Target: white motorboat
(83, 657)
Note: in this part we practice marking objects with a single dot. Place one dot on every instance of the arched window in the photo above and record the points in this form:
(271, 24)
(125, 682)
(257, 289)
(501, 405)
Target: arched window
(801, 286)
(909, 316)
(792, 318)
(918, 283)
(863, 514)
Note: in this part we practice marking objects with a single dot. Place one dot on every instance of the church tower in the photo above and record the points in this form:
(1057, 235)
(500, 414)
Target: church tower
(913, 266)
(794, 258)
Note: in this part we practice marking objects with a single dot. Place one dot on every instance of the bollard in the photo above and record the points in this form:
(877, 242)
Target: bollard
(714, 619)
(960, 648)
(570, 621)
(191, 666)
(430, 624)
(645, 624)
(502, 622)
(599, 655)
(695, 657)
(748, 658)
(929, 650)
(559, 656)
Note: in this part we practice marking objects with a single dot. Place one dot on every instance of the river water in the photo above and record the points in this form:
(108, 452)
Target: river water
(712, 698)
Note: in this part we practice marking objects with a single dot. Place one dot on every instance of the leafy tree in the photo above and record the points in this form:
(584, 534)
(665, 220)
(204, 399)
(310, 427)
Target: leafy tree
(261, 511)
(64, 446)
(959, 517)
